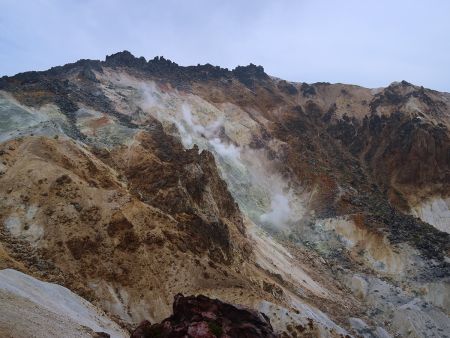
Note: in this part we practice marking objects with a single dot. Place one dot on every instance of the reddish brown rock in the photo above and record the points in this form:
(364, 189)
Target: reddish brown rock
(203, 317)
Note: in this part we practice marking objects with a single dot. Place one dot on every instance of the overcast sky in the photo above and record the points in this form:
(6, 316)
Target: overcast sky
(365, 42)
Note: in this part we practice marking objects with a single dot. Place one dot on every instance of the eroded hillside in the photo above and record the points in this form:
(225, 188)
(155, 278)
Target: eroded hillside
(324, 206)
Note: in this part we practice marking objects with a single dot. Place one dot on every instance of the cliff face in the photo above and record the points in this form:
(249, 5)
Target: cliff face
(324, 206)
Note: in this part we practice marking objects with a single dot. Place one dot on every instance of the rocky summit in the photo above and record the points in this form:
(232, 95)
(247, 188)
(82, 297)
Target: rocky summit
(278, 208)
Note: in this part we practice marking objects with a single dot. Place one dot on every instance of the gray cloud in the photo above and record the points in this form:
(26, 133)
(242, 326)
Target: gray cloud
(370, 43)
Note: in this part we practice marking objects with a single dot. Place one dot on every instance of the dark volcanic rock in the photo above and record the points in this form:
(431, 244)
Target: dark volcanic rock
(308, 90)
(166, 68)
(248, 75)
(201, 316)
(287, 87)
(124, 58)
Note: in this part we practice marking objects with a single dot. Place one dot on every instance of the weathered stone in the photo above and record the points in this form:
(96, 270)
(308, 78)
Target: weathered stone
(203, 317)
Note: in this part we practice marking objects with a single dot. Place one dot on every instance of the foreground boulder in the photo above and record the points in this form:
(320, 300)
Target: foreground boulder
(201, 316)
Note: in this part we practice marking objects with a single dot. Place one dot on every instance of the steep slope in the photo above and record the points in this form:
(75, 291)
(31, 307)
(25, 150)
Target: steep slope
(34, 308)
(130, 181)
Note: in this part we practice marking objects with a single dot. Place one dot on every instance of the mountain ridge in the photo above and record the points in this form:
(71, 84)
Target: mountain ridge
(131, 181)
(125, 58)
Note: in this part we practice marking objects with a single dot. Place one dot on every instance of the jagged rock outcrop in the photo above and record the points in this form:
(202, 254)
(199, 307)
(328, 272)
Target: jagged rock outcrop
(200, 316)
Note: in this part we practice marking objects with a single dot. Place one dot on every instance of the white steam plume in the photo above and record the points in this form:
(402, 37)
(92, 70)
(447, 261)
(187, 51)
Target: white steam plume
(229, 151)
(260, 190)
(280, 213)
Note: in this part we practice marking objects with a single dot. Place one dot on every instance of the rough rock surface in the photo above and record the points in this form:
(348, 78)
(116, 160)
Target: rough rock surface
(200, 316)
